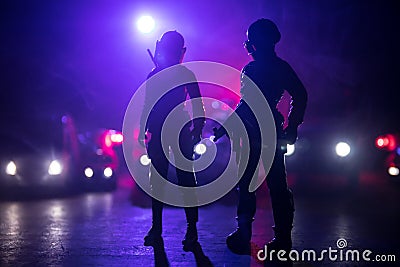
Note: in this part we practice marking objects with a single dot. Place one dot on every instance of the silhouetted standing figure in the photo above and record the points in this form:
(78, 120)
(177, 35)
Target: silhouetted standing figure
(272, 75)
(169, 52)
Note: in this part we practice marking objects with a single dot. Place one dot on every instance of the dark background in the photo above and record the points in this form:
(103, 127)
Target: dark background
(90, 55)
(87, 58)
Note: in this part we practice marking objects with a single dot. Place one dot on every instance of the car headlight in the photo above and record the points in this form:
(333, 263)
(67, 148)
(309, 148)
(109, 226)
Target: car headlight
(89, 172)
(393, 171)
(55, 168)
(11, 168)
(342, 149)
(108, 172)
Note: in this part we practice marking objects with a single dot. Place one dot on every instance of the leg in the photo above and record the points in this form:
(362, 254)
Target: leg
(239, 240)
(188, 179)
(282, 202)
(158, 170)
(247, 200)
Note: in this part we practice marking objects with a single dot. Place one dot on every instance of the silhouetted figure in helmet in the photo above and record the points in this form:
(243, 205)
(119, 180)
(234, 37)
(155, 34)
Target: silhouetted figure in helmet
(272, 75)
(170, 51)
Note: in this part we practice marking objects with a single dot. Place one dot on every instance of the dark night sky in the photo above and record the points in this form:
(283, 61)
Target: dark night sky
(89, 53)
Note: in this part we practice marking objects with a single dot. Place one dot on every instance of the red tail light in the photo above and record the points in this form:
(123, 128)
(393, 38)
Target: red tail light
(388, 142)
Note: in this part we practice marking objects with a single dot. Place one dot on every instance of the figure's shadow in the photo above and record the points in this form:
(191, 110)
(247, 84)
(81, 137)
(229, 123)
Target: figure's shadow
(160, 257)
(201, 259)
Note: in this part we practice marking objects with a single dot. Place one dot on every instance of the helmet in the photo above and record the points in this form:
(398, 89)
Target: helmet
(171, 42)
(263, 32)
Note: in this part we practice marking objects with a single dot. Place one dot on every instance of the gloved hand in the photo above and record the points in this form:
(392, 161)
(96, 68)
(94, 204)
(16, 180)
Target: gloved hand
(218, 133)
(290, 134)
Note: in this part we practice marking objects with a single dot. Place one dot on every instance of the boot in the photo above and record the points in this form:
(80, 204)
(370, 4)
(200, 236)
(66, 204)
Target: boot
(283, 211)
(153, 236)
(281, 241)
(239, 240)
(191, 237)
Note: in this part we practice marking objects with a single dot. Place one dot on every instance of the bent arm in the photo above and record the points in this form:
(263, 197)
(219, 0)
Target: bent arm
(299, 96)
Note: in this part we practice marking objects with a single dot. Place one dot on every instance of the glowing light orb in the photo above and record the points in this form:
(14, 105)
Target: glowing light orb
(145, 24)
(290, 149)
(388, 142)
(11, 168)
(144, 160)
(55, 168)
(343, 149)
(380, 142)
(107, 141)
(117, 138)
(89, 172)
(393, 171)
(108, 172)
(200, 149)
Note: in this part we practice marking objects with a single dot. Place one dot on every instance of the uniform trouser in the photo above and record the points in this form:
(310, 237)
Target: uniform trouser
(281, 196)
(159, 170)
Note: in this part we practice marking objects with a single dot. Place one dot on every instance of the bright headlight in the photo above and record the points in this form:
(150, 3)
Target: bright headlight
(108, 172)
(88, 172)
(343, 149)
(393, 171)
(11, 168)
(55, 168)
